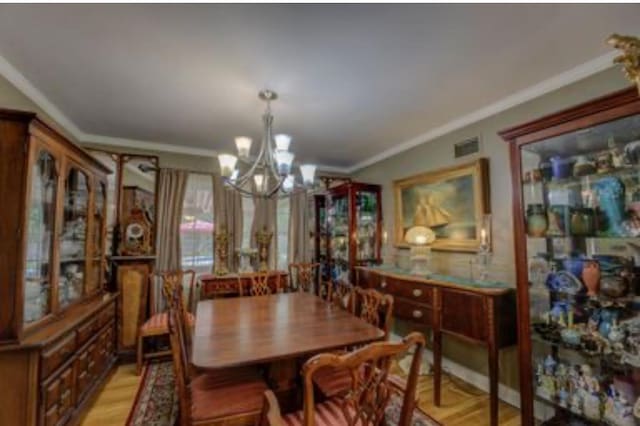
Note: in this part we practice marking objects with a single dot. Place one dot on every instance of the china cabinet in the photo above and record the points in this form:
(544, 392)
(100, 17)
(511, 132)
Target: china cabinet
(57, 325)
(353, 228)
(320, 235)
(576, 186)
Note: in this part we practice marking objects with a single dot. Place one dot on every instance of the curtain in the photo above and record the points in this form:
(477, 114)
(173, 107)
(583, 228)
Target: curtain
(172, 185)
(265, 216)
(299, 245)
(227, 207)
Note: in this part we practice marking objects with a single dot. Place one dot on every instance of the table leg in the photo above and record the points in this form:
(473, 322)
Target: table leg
(494, 354)
(437, 348)
(282, 380)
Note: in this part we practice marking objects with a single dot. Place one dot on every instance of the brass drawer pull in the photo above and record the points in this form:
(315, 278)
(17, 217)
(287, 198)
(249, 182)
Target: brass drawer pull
(417, 314)
(383, 284)
(417, 292)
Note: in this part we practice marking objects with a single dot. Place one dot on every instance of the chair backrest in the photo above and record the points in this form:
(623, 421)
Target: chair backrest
(303, 276)
(174, 295)
(341, 294)
(259, 283)
(178, 277)
(370, 391)
(374, 307)
(180, 366)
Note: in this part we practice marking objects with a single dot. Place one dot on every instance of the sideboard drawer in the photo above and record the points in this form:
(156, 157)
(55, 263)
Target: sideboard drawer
(88, 330)
(409, 310)
(106, 315)
(460, 313)
(421, 293)
(58, 396)
(54, 356)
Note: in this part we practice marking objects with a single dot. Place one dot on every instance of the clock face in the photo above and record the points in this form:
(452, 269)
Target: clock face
(134, 231)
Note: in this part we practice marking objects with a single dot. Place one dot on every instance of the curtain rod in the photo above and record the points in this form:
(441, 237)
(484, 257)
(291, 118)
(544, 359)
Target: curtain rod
(199, 172)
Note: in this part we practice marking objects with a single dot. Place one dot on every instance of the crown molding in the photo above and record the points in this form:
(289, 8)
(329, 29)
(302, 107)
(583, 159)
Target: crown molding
(580, 72)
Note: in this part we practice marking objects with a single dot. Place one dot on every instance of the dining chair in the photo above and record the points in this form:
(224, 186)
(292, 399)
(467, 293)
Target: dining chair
(302, 276)
(375, 308)
(260, 283)
(224, 397)
(157, 324)
(341, 294)
(367, 402)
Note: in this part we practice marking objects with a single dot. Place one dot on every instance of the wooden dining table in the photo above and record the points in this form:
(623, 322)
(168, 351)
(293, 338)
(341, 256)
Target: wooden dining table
(276, 330)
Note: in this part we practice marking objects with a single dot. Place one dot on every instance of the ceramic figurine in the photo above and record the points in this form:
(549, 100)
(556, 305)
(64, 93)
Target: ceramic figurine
(563, 397)
(636, 410)
(583, 166)
(618, 157)
(604, 162)
(632, 152)
(616, 334)
(611, 195)
(591, 276)
(571, 336)
(607, 318)
(591, 394)
(618, 411)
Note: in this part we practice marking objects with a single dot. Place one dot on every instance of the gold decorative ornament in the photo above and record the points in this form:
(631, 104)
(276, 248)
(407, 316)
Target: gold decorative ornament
(263, 239)
(221, 239)
(630, 58)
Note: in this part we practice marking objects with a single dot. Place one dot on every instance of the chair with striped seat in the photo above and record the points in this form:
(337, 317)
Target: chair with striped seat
(157, 324)
(375, 308)
(224, 397)
(369, 388)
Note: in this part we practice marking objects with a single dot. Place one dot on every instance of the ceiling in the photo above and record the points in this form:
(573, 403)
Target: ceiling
(355, 81)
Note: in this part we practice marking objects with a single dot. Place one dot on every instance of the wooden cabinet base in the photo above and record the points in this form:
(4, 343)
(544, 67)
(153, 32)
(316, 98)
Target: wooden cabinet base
(51, 377)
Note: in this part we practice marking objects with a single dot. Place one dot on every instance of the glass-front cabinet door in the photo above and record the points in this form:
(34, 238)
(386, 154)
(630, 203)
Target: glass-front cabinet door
(366, 232)
(73, 237)
(94, 281)
(40, 225)
(581, 206)
(338, 227)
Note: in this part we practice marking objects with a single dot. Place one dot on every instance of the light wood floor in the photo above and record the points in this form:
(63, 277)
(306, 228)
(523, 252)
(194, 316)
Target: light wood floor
(462, 404)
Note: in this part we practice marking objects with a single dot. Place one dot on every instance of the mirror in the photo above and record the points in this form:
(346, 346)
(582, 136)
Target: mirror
(110, 160)
(132, 187)
(138, 204)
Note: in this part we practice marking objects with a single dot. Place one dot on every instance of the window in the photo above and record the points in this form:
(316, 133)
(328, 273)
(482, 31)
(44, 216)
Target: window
(247, 220)
(196, 228)
(282, 226)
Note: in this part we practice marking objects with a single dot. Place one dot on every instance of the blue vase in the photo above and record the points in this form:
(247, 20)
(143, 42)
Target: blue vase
(561, 168)
(611, 200)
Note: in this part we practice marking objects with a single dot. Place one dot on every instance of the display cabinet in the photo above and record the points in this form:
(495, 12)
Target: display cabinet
(353, 228)
(320, 249)
(576, 185)
(57, 325)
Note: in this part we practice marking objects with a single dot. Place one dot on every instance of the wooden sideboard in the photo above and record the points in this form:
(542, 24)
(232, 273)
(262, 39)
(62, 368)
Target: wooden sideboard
(212, 286)
(478, 314)
(51, 376)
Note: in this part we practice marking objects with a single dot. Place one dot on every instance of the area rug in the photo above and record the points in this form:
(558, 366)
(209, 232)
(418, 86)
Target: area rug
(156, 403)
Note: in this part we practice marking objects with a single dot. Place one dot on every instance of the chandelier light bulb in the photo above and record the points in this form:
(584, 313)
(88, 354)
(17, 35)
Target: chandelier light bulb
(308, 172)
(288, 183)
(284, 159)
(227, 164)
(282, 142)
(259, 181)
(243, 144)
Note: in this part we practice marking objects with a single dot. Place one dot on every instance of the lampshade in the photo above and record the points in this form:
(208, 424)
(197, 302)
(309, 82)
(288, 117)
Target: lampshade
(308, 172)
(419, 236)
(227, 164)
(283, 161)
(287, 185)
(244, 146)
(282, 142)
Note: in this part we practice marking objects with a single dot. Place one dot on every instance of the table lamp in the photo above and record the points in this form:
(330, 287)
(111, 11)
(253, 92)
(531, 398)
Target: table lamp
(420, 238)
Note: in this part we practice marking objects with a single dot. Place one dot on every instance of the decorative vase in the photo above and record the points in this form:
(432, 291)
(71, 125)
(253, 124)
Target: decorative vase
(632, 152)
(591, 276)
(582, 222)
(536, 220)
(611, 195)
(561, 167)
(607, 318)
(583, 166)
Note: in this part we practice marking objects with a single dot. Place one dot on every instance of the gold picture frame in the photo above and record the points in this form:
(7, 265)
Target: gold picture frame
(451, 201)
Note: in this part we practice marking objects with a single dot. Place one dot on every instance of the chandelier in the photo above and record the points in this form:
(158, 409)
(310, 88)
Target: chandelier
(269, 174)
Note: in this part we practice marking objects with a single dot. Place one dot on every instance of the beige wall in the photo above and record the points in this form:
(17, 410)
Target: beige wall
(438, 153)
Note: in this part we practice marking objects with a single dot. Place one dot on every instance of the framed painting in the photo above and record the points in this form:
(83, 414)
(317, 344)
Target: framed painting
(450, 201)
